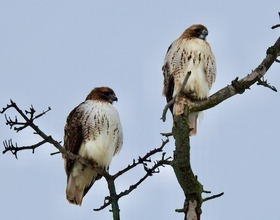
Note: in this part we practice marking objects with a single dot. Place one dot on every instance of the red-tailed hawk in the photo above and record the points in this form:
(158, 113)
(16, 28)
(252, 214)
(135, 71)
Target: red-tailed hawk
(93, 130)
(189, 53)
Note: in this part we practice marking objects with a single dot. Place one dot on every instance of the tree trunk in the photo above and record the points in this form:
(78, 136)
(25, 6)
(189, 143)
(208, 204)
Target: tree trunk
(182, 168)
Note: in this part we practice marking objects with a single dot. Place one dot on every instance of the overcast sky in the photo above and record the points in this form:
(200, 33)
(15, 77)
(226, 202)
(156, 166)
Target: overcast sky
(53, 52)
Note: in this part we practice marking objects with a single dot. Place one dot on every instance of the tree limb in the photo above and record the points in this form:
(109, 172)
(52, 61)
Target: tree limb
(9, 146)
(213, 197)
(277, 25)
(237, 86)
(141, 160)
(29, 122)
(114, 197)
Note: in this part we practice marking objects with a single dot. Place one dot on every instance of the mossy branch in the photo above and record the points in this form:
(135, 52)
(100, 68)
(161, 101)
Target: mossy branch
(182, 166)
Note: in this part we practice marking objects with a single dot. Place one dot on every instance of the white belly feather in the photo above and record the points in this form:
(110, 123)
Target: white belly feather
(196, 83)
(102, 132)
(192, 55)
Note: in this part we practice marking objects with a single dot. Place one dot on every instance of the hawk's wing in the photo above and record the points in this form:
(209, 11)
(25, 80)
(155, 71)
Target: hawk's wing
(73, 135)
(168, 78)
(119, 133)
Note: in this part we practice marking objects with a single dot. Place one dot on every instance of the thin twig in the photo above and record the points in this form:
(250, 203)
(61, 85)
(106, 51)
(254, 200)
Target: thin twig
(54, 153)
(167, 134)
(167, 106)
(9, 146)
(149, 172)
(213, 197)
(28, 121)
(275, 26)
(264, 83)
(185, 82)
(141, 160)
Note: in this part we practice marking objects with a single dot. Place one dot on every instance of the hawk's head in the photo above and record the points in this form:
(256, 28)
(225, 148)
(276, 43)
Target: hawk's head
(102, 94)
(195, 31)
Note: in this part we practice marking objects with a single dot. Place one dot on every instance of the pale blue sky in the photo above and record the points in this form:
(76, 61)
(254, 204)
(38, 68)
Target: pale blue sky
(52, 53)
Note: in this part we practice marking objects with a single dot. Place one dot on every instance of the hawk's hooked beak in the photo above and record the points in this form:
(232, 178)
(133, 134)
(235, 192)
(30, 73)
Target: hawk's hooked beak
(114, 98)
(204, 34)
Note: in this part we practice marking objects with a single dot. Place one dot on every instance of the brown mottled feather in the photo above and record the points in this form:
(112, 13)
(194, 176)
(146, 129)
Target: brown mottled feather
(73, 136)
(168, 87)
(105, 94)
(193, 31)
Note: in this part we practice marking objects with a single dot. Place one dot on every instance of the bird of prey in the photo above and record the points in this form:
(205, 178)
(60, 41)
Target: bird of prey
(189, 53)
(93, 130)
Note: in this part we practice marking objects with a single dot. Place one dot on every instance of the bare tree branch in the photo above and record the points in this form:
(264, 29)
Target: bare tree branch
(239, 86)
(264, 83)
(148, 172)
(277, 25)
(142, 160)
(29, 122)
(9, 146)
(213, 197)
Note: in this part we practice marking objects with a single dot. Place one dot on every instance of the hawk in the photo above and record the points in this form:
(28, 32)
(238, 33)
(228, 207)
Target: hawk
(189, 53)
(93, 130)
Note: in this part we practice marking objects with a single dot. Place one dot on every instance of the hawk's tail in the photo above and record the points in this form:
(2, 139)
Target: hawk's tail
(178, 109)
(78, 185)
(192, 122)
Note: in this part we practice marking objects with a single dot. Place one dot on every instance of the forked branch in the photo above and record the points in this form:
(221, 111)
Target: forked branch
(149, 171)
(13, 148)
